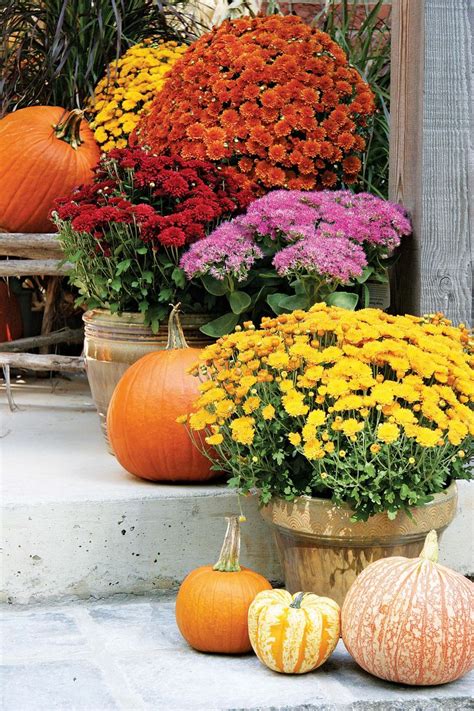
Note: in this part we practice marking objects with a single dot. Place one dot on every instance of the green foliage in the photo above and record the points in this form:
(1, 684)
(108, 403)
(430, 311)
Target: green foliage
(356, 25)
(55, 51)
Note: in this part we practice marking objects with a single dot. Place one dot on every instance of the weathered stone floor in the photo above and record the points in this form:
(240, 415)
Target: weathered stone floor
(127, 654)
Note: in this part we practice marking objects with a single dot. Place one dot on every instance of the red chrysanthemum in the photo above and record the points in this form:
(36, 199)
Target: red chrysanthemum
(271, 96)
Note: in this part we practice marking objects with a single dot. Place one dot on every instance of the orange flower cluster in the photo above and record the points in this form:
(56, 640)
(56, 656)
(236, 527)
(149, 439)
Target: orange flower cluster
(270, 95)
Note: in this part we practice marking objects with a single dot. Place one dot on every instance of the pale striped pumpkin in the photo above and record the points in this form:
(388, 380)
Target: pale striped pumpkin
(293, 634)
(410, 620)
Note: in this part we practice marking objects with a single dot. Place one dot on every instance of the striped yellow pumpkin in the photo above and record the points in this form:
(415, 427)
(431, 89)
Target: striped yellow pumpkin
(293, 634)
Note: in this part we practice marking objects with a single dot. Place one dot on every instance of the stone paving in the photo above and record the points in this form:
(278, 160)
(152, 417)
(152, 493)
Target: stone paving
(127, 654)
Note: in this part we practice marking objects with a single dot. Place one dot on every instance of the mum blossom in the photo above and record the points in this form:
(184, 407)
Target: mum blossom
(336, 259)
(228, 251)
(273, 97)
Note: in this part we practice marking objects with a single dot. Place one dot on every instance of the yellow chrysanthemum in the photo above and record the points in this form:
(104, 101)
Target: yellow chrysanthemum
(313, 449)
(316, 418)
(128, 90)
(251, 404)
(215, 439)
(242, 430)
(295, 438)
(293, 402)
(268, 412)
(351, 426)
(388, 432)
(278, 360)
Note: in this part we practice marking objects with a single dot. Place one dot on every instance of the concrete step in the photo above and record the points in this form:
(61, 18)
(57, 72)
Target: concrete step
(128, 655)
(75, 524)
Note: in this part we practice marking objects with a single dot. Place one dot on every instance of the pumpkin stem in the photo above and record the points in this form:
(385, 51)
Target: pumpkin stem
(176, 339)
(229, 558)
(297, 600)
(69, 128)
(430, 549)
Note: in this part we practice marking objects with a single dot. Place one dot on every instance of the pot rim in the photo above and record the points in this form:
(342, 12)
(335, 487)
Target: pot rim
(93, 315)
(447, 494)
(319, 519)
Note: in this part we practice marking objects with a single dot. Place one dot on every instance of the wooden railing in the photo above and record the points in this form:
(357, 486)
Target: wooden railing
(33, 255)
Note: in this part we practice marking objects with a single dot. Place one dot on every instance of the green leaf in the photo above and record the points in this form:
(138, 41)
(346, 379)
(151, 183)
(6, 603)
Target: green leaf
(141, 250)
(297, 301)
(365, 296)
(239, 301)
(367, 272)
(217, 287)
(344, 299)
(116, 284)
(273, 300)
(178, 277)
(148, 277)
(220, 326)
(122, 266)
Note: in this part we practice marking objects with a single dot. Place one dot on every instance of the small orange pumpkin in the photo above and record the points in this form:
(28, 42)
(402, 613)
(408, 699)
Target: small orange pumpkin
(410, 620)
(141, 419)
(213, 602)
(45, 151)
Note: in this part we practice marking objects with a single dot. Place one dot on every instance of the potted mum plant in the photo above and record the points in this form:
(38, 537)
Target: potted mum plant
(124, 236)
(351, 425)
(292, 249)
(273, 97)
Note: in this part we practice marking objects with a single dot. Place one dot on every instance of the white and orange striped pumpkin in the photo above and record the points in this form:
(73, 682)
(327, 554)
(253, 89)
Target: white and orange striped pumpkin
(293, 634)
(411, 620)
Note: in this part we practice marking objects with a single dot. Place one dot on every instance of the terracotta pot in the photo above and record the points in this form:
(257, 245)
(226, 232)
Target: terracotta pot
(112, 343)
(322, 551)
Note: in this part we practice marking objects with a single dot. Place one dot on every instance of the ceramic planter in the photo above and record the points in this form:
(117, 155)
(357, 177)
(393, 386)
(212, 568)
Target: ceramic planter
(322, 551)
(112, 343)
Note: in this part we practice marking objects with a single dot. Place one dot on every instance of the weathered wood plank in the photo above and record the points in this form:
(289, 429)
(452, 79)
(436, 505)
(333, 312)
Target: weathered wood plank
(64, 335)
(31, 245)
(430, 164)
(406, 125)
(29, 361)
(33, 267)
(53, 289)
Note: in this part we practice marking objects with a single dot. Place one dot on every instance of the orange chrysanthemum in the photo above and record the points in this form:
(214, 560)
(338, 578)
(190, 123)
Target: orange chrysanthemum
(270, 95)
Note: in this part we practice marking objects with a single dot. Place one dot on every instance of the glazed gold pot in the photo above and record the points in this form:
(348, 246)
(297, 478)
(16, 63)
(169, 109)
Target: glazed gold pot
(112, 343)
(322, 551)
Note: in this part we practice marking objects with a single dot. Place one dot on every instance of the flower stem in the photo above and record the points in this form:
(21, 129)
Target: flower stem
(229, 557)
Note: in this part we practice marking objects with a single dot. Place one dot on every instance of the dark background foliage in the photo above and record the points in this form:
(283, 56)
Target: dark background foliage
(55, 51)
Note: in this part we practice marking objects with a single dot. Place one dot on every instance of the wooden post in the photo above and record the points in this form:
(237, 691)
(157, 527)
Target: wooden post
(430, 155)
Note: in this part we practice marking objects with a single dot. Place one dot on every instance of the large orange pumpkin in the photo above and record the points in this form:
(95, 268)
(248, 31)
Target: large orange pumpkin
(410, 620)
(45, 151)
(213, 602)
(141, 419)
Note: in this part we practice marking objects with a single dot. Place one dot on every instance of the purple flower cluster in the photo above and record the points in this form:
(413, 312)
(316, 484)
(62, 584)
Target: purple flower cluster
(336, 259)
(228, 251)
(329, 233)
(363, 218)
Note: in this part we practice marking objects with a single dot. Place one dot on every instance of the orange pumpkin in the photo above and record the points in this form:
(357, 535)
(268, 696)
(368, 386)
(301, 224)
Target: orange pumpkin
(410, 620)
(213, 602)
(45, 152)
(141, 419)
